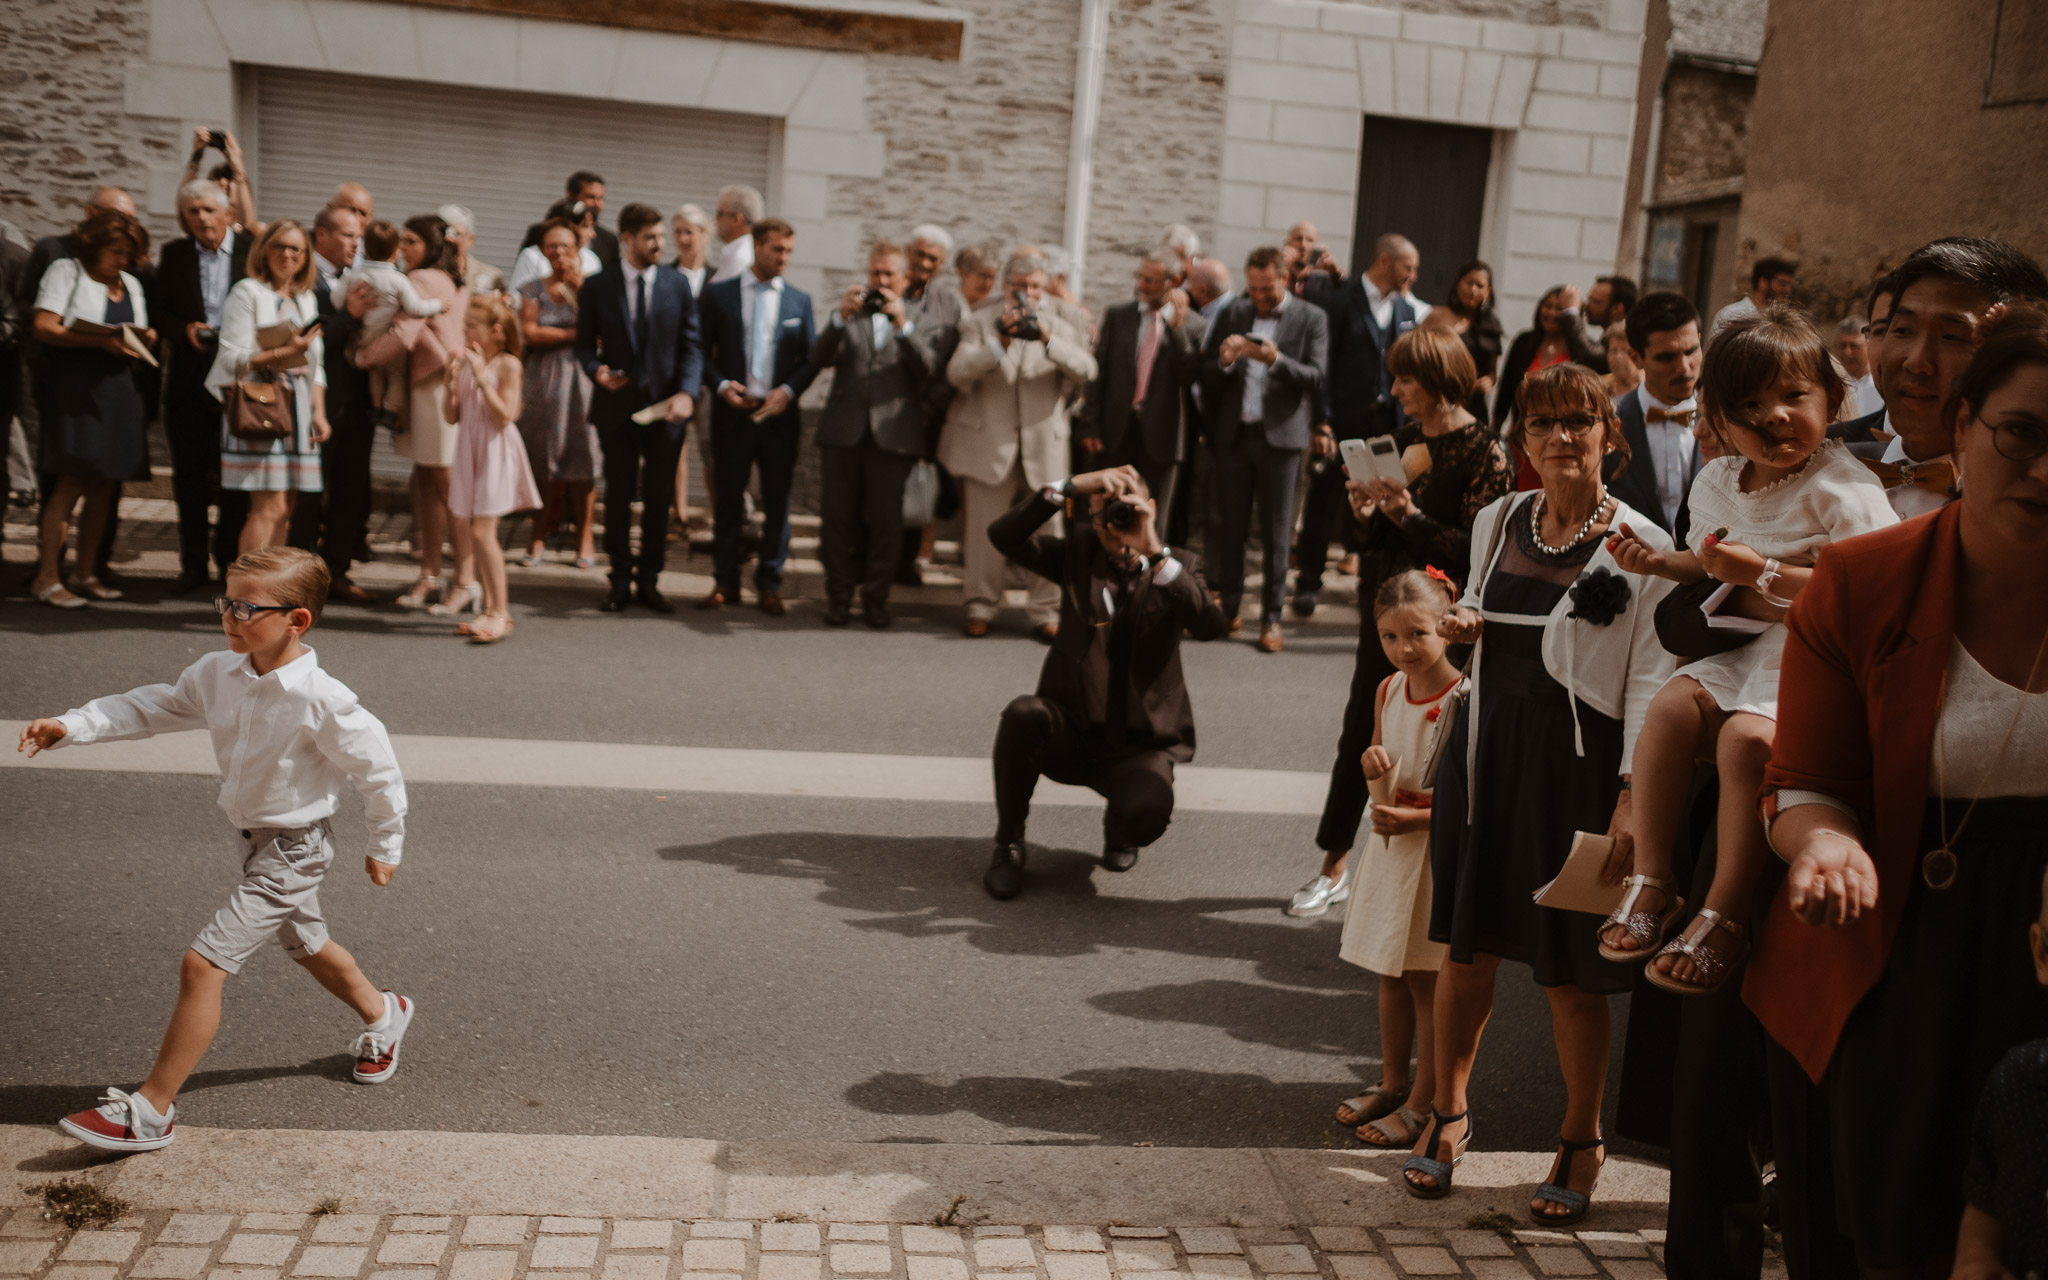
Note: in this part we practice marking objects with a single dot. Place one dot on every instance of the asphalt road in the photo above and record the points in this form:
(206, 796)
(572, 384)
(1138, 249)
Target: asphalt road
(598, 961)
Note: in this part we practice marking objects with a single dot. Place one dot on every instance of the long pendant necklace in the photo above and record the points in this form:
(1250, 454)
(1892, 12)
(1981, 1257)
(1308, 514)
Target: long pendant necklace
(1938, 868)
(1536, 525)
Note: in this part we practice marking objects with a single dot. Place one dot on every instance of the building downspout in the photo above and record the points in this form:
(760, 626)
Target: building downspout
(1088, 63)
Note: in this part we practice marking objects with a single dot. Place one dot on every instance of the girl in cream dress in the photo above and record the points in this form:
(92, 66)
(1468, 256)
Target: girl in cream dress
(1386, 925)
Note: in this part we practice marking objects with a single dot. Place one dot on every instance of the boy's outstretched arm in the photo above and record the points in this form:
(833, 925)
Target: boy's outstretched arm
(138, 713)
(40, 735)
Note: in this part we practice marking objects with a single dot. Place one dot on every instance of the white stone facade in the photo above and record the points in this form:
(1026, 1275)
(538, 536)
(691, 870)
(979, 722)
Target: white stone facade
(1195, 92)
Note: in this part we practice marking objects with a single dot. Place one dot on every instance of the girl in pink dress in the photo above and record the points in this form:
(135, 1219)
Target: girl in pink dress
(491, 476)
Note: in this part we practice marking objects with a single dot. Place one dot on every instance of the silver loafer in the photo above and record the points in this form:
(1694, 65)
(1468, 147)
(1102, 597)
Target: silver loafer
(1322, 893)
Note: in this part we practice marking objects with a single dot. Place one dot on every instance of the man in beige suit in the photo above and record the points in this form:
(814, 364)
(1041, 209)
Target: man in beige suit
(1006, 434)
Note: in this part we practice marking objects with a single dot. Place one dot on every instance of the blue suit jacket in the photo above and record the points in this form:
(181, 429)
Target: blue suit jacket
(673, 363)
(725, 347)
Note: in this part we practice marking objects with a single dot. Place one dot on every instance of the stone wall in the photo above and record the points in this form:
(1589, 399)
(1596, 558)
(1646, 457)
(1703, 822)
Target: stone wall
(1706, 129)
(63, 127)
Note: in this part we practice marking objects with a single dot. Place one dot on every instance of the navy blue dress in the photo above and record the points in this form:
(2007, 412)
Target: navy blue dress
(93, 414)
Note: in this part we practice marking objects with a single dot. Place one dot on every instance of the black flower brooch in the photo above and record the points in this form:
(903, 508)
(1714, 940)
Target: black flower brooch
(1599, 597)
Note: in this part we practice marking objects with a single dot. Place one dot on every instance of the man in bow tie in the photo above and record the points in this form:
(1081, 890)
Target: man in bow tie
(1657, 417)
(1943, 291)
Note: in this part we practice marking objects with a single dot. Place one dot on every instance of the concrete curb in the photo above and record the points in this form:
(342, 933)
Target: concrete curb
(290, 1171)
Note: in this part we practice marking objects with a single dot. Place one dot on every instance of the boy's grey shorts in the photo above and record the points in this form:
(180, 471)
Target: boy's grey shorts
(279, 896)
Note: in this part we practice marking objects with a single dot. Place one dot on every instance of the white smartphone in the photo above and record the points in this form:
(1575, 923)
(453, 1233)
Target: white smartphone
(1375, 459)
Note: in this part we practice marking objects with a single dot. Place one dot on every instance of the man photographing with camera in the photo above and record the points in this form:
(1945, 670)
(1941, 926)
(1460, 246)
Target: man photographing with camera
(1111, 712)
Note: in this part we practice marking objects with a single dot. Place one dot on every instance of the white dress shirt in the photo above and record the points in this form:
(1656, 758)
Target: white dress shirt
(695, 275)
(1382, 305)
(1674, 455)
(215, 266)
(1865, 394)
(1911, 500)
(1252, 405)
(1743, 306)
(285, 742)
(734, 258)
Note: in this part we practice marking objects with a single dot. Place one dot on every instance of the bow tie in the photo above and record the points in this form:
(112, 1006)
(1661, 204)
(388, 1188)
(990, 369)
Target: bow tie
(1683, 417)
(1935, 476)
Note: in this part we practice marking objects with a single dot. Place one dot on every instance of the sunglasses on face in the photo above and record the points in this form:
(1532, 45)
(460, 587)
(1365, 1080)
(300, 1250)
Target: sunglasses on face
(244, 611)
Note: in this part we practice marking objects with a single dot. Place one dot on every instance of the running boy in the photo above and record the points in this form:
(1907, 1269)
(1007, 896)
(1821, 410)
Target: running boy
(286, 735)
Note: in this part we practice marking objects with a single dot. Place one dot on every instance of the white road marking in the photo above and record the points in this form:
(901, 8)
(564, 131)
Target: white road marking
(841, 775)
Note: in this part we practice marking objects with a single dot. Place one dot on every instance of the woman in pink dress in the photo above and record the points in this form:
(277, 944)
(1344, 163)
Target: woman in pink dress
(490, 476)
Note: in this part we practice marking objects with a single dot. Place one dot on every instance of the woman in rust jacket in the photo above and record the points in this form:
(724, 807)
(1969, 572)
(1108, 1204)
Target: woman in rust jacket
(1909, 792)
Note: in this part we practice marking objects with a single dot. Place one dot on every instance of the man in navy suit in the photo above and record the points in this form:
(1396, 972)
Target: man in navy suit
(757, 347)
(1657, 417)
(636, 336)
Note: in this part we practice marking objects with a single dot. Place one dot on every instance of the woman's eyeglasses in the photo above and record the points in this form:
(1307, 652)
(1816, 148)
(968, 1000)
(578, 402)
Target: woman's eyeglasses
(244, 611)
(2017, 439)
(1572, 424)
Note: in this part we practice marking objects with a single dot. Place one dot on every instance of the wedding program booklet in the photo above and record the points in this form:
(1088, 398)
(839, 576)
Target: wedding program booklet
(131, 335)
(1711, 607)
(1578, 887)
(269, 337)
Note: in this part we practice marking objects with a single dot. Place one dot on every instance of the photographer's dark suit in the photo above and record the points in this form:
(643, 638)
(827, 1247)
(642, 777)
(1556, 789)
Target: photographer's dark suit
(739, 443)
(1262, 454)
(1142, 434)
(1111, 712)
(192, 417)
(334, 520)
(661, 358)
(1357, 402)
(870, 435)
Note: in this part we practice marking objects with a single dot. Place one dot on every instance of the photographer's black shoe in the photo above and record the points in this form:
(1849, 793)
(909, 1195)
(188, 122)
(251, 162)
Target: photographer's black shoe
(1004, 879)
(1305, 605)
(1119, 859)
(877, 614)
(838, 613)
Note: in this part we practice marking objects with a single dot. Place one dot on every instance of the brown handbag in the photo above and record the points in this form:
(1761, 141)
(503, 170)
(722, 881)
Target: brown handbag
(261, 409)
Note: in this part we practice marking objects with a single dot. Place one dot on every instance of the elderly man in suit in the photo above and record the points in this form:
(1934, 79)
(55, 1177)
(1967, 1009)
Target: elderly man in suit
(1148, 356)
(194, 275)
(1016, 363)
(871, 433)
(637, 338)
(934, 309)
(758, 332)
(1266, 358)
(1657, 417)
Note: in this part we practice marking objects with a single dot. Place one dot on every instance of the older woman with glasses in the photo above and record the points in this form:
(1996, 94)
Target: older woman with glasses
(1908, 789)
(1566, 662)
(269, 332)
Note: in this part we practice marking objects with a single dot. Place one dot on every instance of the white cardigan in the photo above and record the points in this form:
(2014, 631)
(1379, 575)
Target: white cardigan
(253, 305)
(67, 290)
(1618, 668)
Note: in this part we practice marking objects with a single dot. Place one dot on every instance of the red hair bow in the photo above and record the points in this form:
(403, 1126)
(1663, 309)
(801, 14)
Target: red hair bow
(1438, 574)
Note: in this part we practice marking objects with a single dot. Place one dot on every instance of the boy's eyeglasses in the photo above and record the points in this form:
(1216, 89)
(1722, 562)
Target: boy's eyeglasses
(2018, 440)
(244, 611)
(1575, 424)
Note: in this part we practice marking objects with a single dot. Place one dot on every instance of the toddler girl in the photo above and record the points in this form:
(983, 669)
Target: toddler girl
(1759, 515)
(491, 476)
(1386, 927)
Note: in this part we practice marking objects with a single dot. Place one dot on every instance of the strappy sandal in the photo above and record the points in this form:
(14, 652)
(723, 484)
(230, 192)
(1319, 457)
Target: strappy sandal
(1575, 1202)
(1647, 928)
(417, 595)
(1380, 1134)
(1713, 964)
(1431, 1167)
(462, 597)
(480, 633)
(1362, 1107)
(532, 560)
(93, 588)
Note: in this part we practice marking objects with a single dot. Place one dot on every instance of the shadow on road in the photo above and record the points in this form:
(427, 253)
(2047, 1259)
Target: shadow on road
(929, 886)
(44, 1103)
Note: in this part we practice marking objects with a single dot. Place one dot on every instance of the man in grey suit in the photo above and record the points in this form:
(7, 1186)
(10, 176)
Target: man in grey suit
(1149, 353)
(1264, 359)
(871, 433)
(934, 309)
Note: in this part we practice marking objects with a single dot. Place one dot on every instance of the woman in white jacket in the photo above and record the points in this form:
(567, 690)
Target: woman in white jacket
(1567, 661)
(268, 331)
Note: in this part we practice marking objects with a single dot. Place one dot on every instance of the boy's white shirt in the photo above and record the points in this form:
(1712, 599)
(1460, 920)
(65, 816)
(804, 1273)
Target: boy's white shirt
(285, 741)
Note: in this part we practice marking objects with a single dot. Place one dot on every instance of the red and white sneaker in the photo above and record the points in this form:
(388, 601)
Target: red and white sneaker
(377, 1051)
(122, 1122)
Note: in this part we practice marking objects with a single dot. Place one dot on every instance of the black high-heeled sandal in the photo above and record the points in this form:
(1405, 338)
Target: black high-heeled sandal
(1430, 1166)
(1576, 1203)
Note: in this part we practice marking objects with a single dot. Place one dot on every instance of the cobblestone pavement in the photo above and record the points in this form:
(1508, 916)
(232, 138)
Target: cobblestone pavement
(345, 1246)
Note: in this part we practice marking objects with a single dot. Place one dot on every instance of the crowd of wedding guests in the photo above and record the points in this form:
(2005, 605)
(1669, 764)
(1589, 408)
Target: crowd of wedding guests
(1733, 627)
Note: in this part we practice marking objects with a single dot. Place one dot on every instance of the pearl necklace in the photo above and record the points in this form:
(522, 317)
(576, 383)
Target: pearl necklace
(1536, 526)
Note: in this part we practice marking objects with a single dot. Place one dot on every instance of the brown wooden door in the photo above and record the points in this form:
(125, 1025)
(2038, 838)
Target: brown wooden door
(1426, 181)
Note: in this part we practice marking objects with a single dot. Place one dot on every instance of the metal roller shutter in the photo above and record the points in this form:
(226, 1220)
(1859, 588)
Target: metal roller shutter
(418, 146)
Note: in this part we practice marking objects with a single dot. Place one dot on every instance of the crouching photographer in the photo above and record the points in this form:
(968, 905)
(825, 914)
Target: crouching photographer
(1111, 712)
